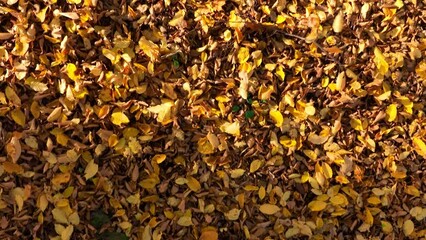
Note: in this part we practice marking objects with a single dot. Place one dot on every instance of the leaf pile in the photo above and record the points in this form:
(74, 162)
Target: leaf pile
(240, 119)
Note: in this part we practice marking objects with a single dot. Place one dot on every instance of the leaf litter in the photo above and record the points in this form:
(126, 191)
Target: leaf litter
(212, 120)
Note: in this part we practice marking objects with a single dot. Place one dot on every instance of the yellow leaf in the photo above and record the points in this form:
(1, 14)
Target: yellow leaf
(356, 124)
(391, 112)
(338, 199)
(159, 158)
(42, 202)
(91, 170)
(338, 22)
(317, 206)
(262, 192)
(227, 35)
(185, 221)
(243, 55)
(61, 178)
(421, 70)
(119, 118)
(412, 190)
(374, 200)
(380, 61)
(328, 172)
(419, 146)
(60, 216)
(269, 209)
(204, 146)
(310, 110)
(255, 165)
(149, 48)
(67, 232)
(12, 96)
(209, 233)
(233, 214)
(386, 227)
(231, 128)
(236, 173)
(71, 69)
(193, 184)
(408, 227)
(276, 117)
(163, 111)
(12, 167)
(55, 114)
(178, 19)
(18, 116)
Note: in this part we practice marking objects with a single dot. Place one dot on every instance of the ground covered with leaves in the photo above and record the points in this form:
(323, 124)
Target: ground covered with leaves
(242, 119)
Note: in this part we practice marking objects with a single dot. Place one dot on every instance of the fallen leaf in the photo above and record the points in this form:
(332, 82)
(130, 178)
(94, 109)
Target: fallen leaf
(269, 209)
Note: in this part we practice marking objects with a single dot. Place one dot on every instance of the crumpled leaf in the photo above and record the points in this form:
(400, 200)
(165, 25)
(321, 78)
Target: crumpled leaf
(380, 61)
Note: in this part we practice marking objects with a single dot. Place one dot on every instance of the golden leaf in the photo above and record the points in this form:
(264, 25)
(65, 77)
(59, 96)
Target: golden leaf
(233, 214)
(42, 202)
(149, 48)
(119, 118)
(178, 19)
(164, 112)
(55, 114)
(204, 146)
(12, 96)
(412, 190)
(193, 184)
(391, 113)
(60, 216)
(91, 170)
(231, 128)
(317, 206)
(18, 116)
(185, 221)
(408, 227)
(70, 71)
(159, 158)
(236, 173)
(419, 146)
(386, 227)
(243, 55)
(276, 117)
(255, 165)
(67, 232)
(380, 61)
(61, 178)
(12, 168)
(269, 209)
(209, 233)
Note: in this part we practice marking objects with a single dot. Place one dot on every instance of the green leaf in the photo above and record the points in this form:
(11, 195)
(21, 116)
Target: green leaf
(99, 218)
(249, 114)
(236, 108)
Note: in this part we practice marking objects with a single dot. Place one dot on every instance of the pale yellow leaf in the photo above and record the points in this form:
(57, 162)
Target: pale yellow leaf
(408, 227)
(269, 209)
(231, 128)
(338, 22)
(193, 184)
(67, 232)
(91, 170)
(255, 165)
(236, 173)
